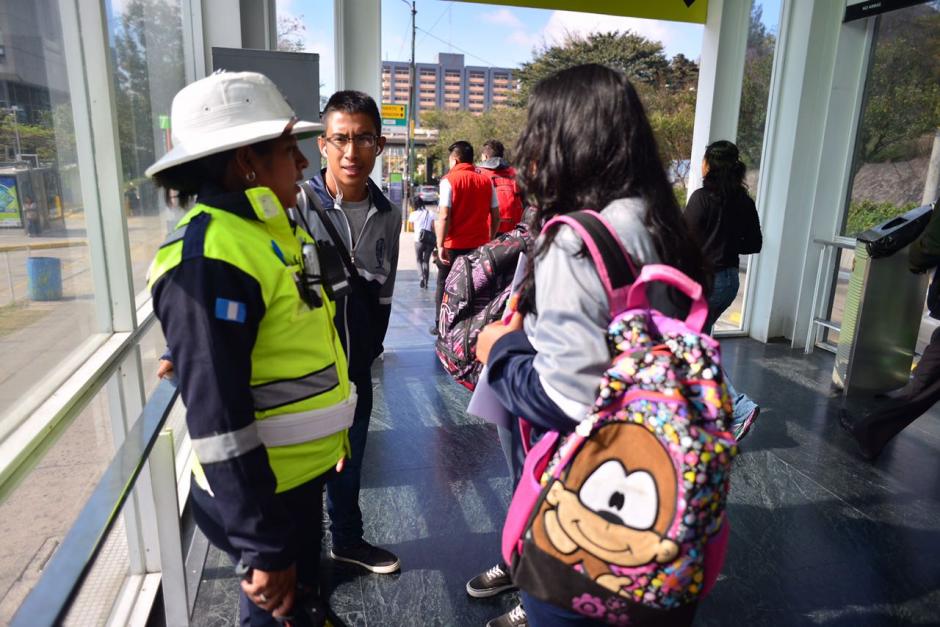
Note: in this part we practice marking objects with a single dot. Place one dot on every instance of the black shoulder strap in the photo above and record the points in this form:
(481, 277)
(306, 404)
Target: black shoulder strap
(330, 229)
(618, 266)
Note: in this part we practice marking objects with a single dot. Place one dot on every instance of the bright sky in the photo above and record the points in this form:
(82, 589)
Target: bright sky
(487, 34)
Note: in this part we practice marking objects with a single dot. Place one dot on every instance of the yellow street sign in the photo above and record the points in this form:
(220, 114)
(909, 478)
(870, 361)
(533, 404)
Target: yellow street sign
(393, 111)
(394, 115)
(674, 10)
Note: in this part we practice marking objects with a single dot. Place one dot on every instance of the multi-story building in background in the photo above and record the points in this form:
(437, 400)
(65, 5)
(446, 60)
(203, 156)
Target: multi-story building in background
(448, 84)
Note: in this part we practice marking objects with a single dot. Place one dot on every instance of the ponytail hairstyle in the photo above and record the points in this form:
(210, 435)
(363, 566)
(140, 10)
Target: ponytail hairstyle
(587, 142)
(725, 176)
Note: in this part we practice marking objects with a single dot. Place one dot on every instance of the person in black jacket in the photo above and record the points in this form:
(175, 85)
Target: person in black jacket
(873, 431)
(724, 218)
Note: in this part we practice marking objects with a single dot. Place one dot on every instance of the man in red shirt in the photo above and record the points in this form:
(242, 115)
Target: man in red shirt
(468, 215)
(503, 176)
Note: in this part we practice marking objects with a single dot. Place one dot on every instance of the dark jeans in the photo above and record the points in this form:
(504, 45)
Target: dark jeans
(304, 504)
(423, 249)
(342, 490)
(442, 272)
(723, 294)
(878, 428)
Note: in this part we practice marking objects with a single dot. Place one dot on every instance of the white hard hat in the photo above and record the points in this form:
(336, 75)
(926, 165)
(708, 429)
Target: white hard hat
(227, 110)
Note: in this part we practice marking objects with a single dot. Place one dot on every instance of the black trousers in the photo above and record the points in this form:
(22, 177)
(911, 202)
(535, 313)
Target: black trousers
(878, 428)
(304, 504)
(423, 249)
(442, 272)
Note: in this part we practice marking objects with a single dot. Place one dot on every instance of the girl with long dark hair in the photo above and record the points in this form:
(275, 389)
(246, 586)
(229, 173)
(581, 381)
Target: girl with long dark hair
(724, 218)
(587, 144)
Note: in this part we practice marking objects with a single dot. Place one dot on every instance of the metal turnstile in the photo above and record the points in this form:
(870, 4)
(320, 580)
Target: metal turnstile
(883, 308)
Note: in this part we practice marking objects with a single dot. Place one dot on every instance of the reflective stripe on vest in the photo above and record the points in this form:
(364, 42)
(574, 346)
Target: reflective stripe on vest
(224, 446)
(175, 236)
(303, 426)
(285, 392)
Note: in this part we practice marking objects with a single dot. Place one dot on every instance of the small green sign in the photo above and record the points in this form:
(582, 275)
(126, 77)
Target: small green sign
(164, 122)
(395, 177)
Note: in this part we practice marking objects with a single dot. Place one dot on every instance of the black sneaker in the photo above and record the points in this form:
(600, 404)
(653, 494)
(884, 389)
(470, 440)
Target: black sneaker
(513, 618)
(372, 558)
(490, 582)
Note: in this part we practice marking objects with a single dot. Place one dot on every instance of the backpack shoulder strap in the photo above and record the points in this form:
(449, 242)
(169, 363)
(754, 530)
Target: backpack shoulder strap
(614, 265)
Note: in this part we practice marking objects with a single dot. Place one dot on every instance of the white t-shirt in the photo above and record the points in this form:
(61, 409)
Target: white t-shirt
(445, 194)
(423, 219)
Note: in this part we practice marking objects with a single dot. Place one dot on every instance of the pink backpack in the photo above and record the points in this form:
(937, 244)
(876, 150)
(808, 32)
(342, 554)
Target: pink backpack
(623, 520)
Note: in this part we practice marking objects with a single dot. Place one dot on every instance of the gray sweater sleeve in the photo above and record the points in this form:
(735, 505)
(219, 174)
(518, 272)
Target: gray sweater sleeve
(569, 332)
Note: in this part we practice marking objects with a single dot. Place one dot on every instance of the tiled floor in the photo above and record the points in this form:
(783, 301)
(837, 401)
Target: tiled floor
(819, 537)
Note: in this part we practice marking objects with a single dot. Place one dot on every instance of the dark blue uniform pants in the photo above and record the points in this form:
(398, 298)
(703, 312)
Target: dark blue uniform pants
(304, 504)
(342, 490)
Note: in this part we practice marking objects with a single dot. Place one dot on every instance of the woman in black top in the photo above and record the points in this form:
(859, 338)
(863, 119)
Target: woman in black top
(724, 218)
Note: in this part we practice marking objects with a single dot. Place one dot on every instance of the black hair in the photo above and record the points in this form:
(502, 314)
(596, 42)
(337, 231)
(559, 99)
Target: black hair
(351, 101)
(493, 148)
(588, 142)
(462, 151)
(725, 170)
(182, 183)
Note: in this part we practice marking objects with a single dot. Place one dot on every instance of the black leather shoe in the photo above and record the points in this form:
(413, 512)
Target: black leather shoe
(868, 450)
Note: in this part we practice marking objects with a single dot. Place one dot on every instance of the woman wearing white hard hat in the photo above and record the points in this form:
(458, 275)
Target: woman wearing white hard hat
(248, 322)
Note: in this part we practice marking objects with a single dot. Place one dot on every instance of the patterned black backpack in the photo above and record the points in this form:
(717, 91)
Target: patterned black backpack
(475, 295)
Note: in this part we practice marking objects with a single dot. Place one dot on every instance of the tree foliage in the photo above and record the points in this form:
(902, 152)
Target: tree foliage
(641, 59)
(755, 89)
(290, 33)
(502, 123)
(148, 54)
(666, 86)
(903, 91)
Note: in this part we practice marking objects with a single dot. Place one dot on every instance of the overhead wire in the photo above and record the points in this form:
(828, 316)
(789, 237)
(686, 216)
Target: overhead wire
(469, 54)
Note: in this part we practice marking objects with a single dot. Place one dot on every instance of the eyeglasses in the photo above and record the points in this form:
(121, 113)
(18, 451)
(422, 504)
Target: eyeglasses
(359, 141)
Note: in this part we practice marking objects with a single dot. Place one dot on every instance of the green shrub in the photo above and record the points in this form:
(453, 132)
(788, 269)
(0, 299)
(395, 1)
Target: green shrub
(681, 195)
(864, 214)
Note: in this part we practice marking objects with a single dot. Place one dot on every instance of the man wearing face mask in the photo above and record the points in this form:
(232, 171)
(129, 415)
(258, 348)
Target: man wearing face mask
(342, 207)
(468, 215)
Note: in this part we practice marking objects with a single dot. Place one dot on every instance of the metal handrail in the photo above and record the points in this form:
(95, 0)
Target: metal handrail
(51, 598)
(824, 261)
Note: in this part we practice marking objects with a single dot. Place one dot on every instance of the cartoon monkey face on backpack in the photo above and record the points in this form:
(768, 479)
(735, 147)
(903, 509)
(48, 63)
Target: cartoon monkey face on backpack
(615, 507)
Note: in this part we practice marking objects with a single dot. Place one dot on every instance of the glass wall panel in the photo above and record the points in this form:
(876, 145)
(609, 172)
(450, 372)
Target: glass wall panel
(752, 119)
(146, 38)
(46, 288)
(898, 135)
(900, 118)
(35, 516)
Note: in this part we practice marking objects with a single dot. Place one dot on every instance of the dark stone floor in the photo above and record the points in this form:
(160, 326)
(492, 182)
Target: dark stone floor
(819, 536)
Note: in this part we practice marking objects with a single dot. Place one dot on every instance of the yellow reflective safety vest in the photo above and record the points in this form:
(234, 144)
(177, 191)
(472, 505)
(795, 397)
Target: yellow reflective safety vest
(303, 399)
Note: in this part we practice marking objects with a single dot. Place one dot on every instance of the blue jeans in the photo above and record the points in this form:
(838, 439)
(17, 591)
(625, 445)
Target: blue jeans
(723, 294)
(342, 490)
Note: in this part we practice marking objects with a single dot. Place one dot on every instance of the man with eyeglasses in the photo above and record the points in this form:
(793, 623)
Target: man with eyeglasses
(364, 227)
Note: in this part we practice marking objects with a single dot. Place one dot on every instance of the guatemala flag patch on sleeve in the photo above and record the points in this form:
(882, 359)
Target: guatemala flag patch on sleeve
(230, 310)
